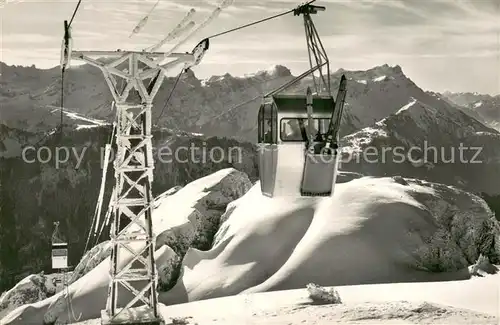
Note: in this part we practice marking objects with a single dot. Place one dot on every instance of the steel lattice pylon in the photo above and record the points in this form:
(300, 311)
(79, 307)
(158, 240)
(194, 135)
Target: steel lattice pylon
(132, 270)
(134, 175)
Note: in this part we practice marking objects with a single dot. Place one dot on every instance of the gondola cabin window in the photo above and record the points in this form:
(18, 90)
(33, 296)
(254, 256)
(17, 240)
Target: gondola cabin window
(268, 128)
(295, 129)
(59, 256)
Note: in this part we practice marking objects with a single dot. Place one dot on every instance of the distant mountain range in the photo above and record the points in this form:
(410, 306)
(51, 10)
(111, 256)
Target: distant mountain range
(442, 145)
(486, 106)
(384, 109)
(221, 105)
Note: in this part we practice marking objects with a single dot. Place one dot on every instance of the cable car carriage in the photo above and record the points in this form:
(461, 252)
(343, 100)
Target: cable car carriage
(298, 151)
(59, 250)
(298, 135)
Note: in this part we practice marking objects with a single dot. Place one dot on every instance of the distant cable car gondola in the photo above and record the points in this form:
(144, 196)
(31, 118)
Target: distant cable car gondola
(59, 250)
(298, 134)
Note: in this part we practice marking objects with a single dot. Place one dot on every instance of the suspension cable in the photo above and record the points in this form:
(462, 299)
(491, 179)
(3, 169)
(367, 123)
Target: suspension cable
(257, 22)
(97, 213)
(74, 12)
(96, 216)
(170, 95)
(250, 24)
(224, 33)
(63, 70)
(62, 103)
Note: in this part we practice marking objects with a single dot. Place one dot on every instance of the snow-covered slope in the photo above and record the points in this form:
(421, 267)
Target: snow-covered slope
(425, 142)
(474, 301)
(374, 230)
(87, 122)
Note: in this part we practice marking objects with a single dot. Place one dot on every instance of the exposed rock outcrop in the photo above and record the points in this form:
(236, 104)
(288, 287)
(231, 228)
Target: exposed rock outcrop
(33, 288)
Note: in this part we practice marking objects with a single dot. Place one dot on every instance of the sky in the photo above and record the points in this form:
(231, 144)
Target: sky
(440, 44)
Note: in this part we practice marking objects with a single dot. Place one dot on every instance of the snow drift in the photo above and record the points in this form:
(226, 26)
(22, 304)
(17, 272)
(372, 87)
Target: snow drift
(374, 230)
(453, 302)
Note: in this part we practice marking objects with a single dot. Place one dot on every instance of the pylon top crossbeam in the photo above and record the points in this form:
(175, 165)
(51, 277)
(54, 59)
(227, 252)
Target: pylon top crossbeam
(152, 64)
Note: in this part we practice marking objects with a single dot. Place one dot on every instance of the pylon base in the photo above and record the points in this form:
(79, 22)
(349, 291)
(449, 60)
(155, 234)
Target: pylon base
(132, 316)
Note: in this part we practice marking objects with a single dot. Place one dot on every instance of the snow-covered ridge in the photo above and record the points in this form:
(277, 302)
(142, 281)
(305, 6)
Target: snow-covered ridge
(378, 74)
(422, 118)
(181, 132)
(86, 126)
(377, 79)
(79, 117)
(407, 106)
(381, 78)
(356, 142)
(484, 107)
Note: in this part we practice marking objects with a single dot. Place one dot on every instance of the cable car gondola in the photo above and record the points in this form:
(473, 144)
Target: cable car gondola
(298, 134)
(59, 250)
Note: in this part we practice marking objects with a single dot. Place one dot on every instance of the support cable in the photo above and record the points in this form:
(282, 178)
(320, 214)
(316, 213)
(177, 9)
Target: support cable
(62, 103)
(95, 220)
(257, 22)
(170, 95)
(63, 68)
(74, 12)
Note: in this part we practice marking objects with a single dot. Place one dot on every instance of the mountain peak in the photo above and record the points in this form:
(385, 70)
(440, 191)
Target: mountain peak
(279, 71)
(190, 78)
(188, 73)
(218, 78)
(376, 74)
(387, 70)
(397, 68)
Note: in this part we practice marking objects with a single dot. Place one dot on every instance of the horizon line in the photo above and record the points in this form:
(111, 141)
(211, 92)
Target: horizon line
(249, 74)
